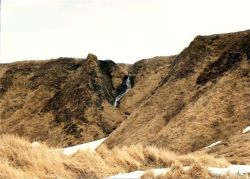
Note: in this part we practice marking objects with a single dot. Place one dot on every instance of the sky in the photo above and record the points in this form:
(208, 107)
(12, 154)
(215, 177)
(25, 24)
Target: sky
(121, 30)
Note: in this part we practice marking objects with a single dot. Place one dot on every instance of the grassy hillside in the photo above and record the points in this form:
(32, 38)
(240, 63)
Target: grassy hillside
(63, 101)
(183, 103)
(203, 97)
(147, 75)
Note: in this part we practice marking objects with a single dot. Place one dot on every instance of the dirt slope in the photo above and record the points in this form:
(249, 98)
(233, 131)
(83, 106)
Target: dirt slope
(203, 97)
(63, 101)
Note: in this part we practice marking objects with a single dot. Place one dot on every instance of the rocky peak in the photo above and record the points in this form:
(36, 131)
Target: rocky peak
(91, 57)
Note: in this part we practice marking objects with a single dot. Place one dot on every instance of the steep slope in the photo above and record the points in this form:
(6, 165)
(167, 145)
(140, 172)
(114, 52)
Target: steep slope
(63, 101)
(146, 74)
(203, 97)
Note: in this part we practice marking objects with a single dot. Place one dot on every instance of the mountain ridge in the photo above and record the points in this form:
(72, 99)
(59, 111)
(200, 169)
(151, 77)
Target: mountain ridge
(57, 100)
(192, 106)
(183, 102)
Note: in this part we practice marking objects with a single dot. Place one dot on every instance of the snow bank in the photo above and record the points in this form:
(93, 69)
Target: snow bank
(218, 171)
(213, 144)
(233, 169)
(160, 171)
(90, 145)
(246, 130)
(136, 174)
(35, 144)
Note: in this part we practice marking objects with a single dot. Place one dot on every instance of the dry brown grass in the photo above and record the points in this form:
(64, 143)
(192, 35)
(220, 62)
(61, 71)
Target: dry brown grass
(184, 116)
(76, 115)
(196, 171)
(146, 71)
(20, 160)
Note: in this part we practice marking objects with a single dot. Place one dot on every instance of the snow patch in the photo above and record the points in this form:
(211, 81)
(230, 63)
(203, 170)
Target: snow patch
(246, 130)
(90, 145)
(233, 169)
(213, 144)
(35, 144)
(162, 171)
(136, 174)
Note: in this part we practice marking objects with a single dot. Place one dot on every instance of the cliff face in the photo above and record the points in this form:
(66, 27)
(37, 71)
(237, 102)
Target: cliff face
(200, 98)
(63, 102)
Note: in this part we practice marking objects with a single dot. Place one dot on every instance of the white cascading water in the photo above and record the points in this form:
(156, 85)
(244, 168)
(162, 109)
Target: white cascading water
(128, 87)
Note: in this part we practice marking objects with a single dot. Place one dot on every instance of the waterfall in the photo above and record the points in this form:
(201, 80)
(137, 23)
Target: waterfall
(128, 87)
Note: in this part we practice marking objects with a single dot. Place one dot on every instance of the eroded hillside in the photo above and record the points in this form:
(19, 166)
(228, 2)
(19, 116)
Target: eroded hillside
(183, 103)
(203, 97)
(64, 101)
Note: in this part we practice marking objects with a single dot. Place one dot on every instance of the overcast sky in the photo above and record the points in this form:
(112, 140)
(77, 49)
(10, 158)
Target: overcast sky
(120, 30)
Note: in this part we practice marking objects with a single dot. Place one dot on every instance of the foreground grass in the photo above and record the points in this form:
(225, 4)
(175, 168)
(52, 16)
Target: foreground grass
(196, 171)
(19, 160)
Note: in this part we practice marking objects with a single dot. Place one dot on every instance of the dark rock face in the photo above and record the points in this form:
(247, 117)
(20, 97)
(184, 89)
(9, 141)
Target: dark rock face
(123, 87)
(106, 68)
(225, 62)
(248, 48)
